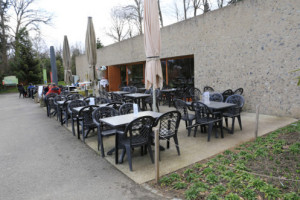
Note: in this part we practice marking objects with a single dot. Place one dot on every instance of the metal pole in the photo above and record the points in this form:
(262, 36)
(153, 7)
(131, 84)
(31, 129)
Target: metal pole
(53, 65)
(256, 122)
(156, 155)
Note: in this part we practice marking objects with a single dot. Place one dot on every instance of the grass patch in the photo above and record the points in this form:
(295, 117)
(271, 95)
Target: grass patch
(8, 90)
(267, 168)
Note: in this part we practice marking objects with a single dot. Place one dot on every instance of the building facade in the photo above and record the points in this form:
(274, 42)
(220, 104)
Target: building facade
(254, 44)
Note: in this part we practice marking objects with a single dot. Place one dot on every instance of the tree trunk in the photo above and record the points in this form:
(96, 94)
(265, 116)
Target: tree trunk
(3, 38)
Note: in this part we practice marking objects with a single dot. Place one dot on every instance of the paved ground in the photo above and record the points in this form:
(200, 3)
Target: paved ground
(39, 159)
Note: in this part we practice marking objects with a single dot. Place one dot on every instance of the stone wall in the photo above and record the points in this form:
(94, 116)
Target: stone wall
(253, 44)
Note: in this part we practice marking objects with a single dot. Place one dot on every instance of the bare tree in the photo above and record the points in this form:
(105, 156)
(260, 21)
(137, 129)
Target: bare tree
(117, 30)
(186, 6)
(28, 17)
(220, 3)
(176, 11)
(206, 7)
(196, 6)
(135, 13)
(4, 6)
(160, 14)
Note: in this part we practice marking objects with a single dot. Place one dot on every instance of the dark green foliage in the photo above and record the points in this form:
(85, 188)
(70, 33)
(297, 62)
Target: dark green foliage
(249, 194)
(180, 185)
(232, 196)
(24, 65)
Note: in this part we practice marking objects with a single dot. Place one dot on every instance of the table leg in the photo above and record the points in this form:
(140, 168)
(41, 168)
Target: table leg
(117, 149)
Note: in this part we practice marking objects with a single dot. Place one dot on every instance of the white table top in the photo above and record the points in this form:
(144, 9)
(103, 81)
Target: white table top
(169, 90)
(121, 120)
(215, 105)
(77, 109)
(137, 95)
(120, 92)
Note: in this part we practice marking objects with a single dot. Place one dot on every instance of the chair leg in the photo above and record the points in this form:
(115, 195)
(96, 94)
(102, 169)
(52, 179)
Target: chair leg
(78, 132)
(190, 129)
(150, 152)
(195, 131)
(128, 152)
(83, 132)
(240, 121)
(73, 131)
(209, 131)
(168, 143)
(226, 122)
(176, 143)
(221, 127)
(232, 128)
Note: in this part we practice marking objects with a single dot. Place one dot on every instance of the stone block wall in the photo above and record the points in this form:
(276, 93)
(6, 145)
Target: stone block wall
(253, 44)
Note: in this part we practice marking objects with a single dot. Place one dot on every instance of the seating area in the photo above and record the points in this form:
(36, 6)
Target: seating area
(108, 124)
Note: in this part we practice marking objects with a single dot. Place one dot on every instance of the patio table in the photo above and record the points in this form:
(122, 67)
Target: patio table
(215, 106)
(77, 109)
(120, 92)
(168, 94)
(137, 97)
(122, 120)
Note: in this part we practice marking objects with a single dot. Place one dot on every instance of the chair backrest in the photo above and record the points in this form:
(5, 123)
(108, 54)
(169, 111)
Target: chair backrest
(126, 108)
(181, 107)
(117, 98)
(208, 89)
(51, 95)
(103, 112)
(215, 96)
(85, 114)
(59, 98)
(168, 123)
(139, 130)
(195, 94)
(75, 103)
(226, 94)
(148, 91)
(75, 97)
(202, 112)
(179, 93)
(115, 105)
(64, 93)
(126, 89)
(236, 99)
(104, 94)
(133, 89)
(239, 91)
(101, 100)
(51, 103)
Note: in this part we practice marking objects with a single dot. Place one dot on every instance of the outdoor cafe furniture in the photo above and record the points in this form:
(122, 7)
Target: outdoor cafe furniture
(73, 113)
(133, 89)
(168, 125)
(168, 94)
(182, 107)
(205, 117)
(136, 134)
(75, 97)
(195, 94)
(226, 94)
(122, 120)
(126, 109)
(64, 93)
(58, 106)
(208, 89)
(46, 100)
(51, 106)
(239, 91)
(103, 129)
(215, 96)
(137, 97)
(115, 105)
(234, 111)
(85, 121)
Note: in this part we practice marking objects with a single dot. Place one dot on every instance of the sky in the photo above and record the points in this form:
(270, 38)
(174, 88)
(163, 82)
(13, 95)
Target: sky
(70, 18)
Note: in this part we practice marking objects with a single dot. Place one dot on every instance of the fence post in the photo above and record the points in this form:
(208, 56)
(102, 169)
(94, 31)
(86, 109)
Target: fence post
(156, 161)
(256, 122)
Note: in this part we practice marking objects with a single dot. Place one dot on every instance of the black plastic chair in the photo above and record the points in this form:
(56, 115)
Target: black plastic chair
(56, 99)
(64, 93)
(218, 97)
(168, 127)
(239, 91)
(73, 113)
(195, 94)
(51, 106)
(205, 117)
(133, 89)
(115, 105)
(46, 101)
(102, 100)
(181, 106)
(137, 134)
(117, 98)
(75, 97)
(103, 130)
(226, 94)
(126, 108)
(234, 112)
(208, 89)
(85, 120)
